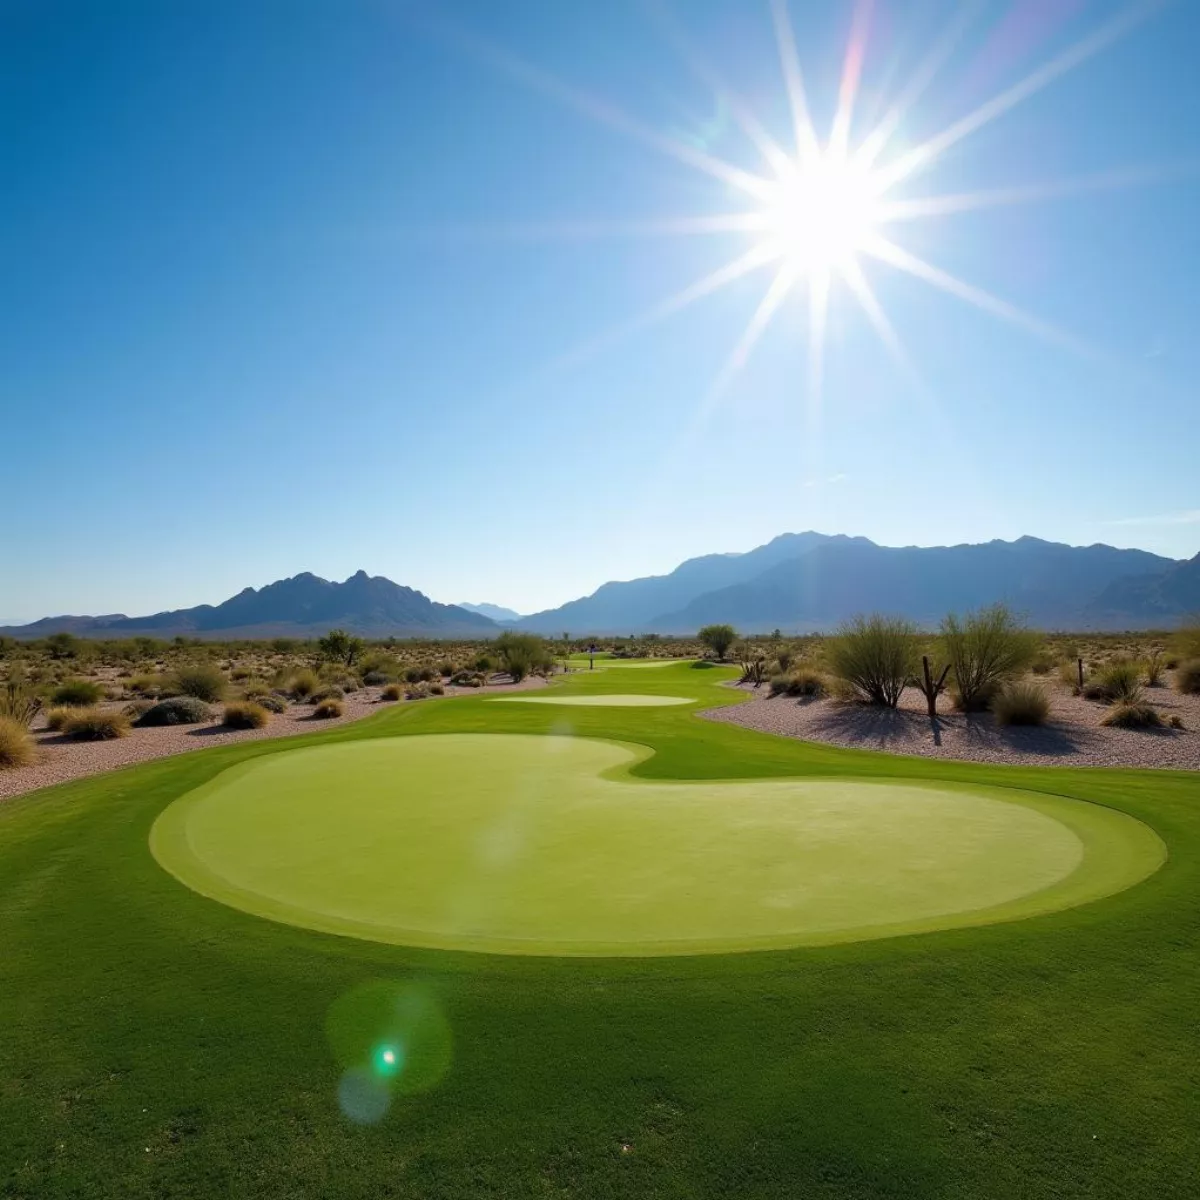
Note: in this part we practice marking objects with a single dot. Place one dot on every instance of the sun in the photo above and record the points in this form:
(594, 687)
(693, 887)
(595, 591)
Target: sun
(823, 214)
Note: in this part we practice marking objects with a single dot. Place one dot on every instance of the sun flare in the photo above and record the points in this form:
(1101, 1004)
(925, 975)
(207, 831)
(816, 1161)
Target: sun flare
(823, 214)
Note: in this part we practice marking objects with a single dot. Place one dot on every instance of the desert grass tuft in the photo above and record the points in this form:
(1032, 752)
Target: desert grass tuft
(244, 714)
(16, 746)
(1021, 704)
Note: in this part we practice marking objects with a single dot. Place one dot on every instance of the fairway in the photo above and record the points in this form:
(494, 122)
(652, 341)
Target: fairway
(545, 845)
(612, 700)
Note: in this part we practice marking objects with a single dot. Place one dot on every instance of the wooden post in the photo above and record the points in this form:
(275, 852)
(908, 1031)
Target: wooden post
(930, 694)
(1080, 664)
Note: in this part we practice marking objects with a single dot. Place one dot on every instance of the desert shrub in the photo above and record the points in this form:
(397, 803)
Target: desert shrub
(985, 650)
(416, 691)
(16, 746)
(303, 683)
(200, 681)
(1136, 715)
(1068, 675)
(271, 702)
(146, 685)
(1042, 664)
(92, 725)
(1176, 721)
(1021, 704)
(718, 638)
(1118, 682)
(375, 678)
(875, 656)
(244, 714)
(137, 709)
(485, 663)
(340, 646)
(179, 710)
(393, 691)
(446, 670)
(1153, 667)
(801, 682)
(348, 683)
(332, 692)
(78, 693)
(255, 690)
(412, 675)
(467, 679)
(57, 718)
(1187, 677)
(239, 674)
(520, 653)
(19, 703)
(436, 689)
(427, 675)
(328, 709)
(1187, 639)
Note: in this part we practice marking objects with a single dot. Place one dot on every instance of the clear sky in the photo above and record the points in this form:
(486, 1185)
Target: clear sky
(296, 285)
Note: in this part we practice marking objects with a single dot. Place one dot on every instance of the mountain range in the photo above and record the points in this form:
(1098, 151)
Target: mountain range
(798, 582)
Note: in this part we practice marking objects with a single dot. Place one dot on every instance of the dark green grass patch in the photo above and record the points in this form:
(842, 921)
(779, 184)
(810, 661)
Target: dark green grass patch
(156, 1043)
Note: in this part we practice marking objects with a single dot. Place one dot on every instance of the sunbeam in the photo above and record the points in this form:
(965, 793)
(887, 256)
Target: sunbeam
(828, 205)
(1104, 37)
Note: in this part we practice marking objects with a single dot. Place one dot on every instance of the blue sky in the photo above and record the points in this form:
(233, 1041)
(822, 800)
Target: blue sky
(299, 285)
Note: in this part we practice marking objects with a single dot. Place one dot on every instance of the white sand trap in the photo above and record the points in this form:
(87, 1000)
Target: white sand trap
(610, 701)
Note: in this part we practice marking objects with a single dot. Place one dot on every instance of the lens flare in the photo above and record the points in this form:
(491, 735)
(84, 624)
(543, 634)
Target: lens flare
(391, 1038)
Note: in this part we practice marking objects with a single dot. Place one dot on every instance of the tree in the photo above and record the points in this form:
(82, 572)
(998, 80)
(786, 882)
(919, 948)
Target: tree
(520, 653)
(876, 656)
(985, 649)
(718, 638)
(340, 646)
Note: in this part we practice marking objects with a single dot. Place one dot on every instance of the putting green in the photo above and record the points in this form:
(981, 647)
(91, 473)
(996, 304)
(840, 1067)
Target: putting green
(545, 845)
(613, 700)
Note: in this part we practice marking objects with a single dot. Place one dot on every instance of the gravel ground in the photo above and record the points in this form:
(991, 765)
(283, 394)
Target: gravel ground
(61, 759)
(1073, 737)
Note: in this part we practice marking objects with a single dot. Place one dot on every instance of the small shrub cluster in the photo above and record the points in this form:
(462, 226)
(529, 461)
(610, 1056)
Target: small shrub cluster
(271, 702)
(1135, 715)
(1187, 677)
(392, 692)
(328, 709)
(78, 693)
(57, 717)
(136, 709)
(244, 714)
(16, 746)
(201, 682)
(302, 684)
(1021, 704)
(986, 650)
(471, 679)
(19, 703)
(179, 710)
(1119, 682)
(92, 725)
(803, 682)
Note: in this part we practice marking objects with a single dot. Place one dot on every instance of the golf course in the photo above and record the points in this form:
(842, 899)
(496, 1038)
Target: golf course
(581, 941)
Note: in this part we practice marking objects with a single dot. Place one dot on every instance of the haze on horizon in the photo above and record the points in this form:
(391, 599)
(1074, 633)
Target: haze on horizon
(351, 288)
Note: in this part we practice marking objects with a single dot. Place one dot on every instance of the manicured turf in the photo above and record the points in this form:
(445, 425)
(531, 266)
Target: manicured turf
(154, 1042)
(611, 700)
(545, 845)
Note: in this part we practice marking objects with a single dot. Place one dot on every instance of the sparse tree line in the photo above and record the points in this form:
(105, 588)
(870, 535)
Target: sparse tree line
(981, 660)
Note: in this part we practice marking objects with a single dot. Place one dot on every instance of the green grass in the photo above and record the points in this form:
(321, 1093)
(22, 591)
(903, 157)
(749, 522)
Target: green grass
(160, 1043)
(547, 845)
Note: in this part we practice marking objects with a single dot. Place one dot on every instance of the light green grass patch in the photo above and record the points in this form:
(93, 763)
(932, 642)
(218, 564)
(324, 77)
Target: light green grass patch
(546, 845)
(602, 700)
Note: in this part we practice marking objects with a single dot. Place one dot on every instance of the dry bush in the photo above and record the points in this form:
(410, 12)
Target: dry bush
(271, 702)
(78, 693)
(1187, 678)
(199, 681)
(1136, 715)
(1021, 704)
(57, 718)
(16, 746)
(244, 714)
(179, 710)
(392, 692)
(303, 683)
(1120, 682)
(92, 725)
(328, 709)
